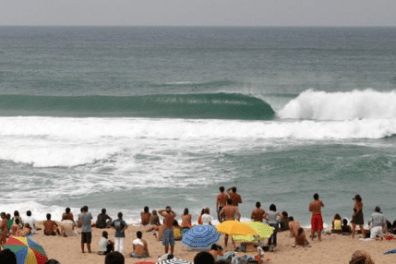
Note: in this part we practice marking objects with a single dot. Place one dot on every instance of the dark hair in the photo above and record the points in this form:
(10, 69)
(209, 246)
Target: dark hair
(28, 213)
(16, 213)
(139, 234)
(105, 234)
(258, 204)
(52, 261)
(377, 209)
(17, 221)
(3, 214)
(394, 224)
(214, 247)
(85, 208)
(207, 210)
(8, 216)
(114, 258)
(82, 209)
(204, 258)
(185, 211)
(300, 231)
(167, 207)
(103, 210)
(316, 196)
(202, 211)
(272, 207)
(154, 212)
(291, 218)
(119, 215)
(345, 222)
(358, 198)
(170, 256)
(234, 189)
(48, 216)
(146, 209)
(7, 257)
(221, 188)
(175, 223)
(229, 201)
(67, 210)
(285, 214)
(337, 217)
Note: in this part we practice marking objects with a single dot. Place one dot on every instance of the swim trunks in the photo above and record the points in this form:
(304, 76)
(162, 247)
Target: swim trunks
(167, 237)
(316, 222)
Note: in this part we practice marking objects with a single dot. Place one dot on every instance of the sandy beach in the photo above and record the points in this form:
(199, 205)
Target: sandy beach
(333, 248)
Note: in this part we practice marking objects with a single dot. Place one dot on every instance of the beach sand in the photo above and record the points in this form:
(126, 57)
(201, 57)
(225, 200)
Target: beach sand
(333, 248)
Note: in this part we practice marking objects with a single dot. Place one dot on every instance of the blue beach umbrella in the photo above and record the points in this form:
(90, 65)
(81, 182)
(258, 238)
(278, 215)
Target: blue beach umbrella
(201, 237)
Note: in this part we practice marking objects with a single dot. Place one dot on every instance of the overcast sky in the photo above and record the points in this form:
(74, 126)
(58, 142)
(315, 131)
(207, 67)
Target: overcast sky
(199, 12)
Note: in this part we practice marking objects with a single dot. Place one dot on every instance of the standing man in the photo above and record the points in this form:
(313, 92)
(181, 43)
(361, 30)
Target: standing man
(230, 212)
(316, 222)
(258, 214)
(86, 228)
(119, 237)
(221, 201)
(235, 197)
(168, 237)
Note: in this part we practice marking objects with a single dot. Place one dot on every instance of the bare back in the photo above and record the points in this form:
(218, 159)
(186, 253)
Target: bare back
(222, 199)
(229, 212)
(258, 215)
(145, 217)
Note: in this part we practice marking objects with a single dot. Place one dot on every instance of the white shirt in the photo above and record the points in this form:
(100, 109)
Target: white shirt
(31, 221)
(137, 241)
(103, 244)
(206, 219)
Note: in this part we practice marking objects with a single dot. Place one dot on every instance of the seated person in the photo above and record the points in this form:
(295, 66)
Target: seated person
(26, 231)
(284, 222)
(105, 245)
(301, 239)
(294, 225)
(16, 216)
(346, 229)
(158, 230)
(260, 254)
(67, 228)
(15, 227)
(145, 216)
(103, 220)
(336, 224)
(216, 251)
(140, 249)
(154, 219)
(9, 221)
(186, 219)
(68, 215)
(79, 221)
(50, 227)
(177, 230)
(206, 218)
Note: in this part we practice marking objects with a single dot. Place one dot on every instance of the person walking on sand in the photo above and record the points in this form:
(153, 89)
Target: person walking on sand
(168, 236)
(230, 212)
(86, 229)
(357, 217)
(235, 197)
(221, 201)
(316, 221)
(119, 237)
(258, 214)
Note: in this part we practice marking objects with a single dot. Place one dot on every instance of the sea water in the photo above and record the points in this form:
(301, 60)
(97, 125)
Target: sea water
(124, 117)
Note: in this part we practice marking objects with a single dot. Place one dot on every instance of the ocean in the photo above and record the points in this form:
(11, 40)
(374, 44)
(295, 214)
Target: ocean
(124, 117)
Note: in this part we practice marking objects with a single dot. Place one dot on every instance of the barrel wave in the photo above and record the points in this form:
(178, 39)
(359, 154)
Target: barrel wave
(212, 106)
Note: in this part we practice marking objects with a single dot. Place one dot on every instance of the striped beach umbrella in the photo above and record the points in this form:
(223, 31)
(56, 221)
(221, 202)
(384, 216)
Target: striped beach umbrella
(201, 237)
(26, 250)
(174, 261)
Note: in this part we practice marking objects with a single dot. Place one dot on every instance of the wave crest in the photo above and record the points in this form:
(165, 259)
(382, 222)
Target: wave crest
(357, 104)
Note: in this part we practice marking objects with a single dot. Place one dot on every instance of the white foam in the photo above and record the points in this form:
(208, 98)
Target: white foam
(357, 104)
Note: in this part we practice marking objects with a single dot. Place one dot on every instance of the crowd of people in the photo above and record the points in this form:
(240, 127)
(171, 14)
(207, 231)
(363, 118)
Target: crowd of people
(169, 230)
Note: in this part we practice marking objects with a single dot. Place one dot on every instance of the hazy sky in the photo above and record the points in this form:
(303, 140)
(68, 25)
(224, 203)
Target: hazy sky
(199, 12)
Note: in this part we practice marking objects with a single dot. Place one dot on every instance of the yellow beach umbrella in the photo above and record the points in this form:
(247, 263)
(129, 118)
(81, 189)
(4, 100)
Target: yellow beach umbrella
(234, 228)
(264, 231)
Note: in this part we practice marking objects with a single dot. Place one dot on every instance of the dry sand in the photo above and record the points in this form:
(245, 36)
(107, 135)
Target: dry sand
(333, 249)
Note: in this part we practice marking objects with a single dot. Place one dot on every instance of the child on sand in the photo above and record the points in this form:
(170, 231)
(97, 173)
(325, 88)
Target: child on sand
(260, 254)
(105, 245)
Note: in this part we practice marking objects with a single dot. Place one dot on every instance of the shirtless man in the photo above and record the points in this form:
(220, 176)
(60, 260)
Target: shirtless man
(221, 201)
(168, 237)
(235, 197)
(316, 222)
(140, 249)
(50, 227)
(68, 215)
(145, 216)
(258, 214)
(230, 212)
(4, 229)
(294, 225)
